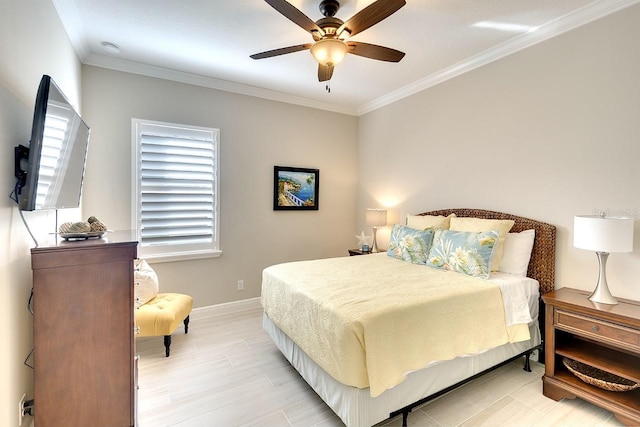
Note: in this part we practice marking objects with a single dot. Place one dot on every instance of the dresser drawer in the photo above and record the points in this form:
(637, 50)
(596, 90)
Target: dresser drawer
(614, 334)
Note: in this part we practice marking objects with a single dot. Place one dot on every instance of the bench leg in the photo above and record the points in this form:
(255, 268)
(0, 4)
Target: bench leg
(167, 344)
(167, 338)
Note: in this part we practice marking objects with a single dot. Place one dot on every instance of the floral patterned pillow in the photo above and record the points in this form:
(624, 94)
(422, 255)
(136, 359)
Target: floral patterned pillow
(466, 252)
(409, 244)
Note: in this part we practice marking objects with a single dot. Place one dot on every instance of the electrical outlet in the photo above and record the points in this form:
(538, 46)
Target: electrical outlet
(21, 409)
(241, 285)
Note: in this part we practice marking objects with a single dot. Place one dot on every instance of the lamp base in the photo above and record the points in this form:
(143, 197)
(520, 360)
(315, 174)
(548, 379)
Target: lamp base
(374, 244)
(601, 294)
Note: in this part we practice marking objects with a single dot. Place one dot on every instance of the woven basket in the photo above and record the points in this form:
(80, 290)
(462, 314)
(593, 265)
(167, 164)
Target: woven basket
(598, 377)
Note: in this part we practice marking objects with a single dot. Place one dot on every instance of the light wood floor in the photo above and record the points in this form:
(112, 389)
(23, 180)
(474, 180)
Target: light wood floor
(226, 372)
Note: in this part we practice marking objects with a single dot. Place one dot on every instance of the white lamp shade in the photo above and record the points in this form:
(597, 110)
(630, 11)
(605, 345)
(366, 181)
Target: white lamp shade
(602, 234)
(375, 217)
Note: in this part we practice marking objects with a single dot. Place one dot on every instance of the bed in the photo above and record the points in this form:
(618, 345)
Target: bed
(323, 322)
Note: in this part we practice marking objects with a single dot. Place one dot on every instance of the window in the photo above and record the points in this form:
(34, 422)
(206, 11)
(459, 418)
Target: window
(175, 190)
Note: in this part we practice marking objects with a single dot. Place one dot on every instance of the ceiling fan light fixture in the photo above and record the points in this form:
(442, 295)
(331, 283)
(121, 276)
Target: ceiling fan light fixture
(329, 51)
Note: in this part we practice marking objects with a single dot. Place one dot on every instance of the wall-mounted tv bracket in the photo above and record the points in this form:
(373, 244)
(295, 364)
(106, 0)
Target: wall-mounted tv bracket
(21, 157)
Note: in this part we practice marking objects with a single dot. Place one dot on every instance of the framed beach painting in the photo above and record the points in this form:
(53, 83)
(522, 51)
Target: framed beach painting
(295, 189)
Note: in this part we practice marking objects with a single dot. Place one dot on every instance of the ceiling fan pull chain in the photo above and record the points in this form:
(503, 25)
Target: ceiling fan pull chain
(328, 86)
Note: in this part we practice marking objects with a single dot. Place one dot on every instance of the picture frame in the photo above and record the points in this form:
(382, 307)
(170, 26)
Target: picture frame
(295, 189)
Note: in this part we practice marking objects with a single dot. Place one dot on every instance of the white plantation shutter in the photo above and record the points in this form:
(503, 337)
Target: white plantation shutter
(177, 181)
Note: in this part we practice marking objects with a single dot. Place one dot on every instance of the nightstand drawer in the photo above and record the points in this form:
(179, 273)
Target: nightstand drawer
(611, 333)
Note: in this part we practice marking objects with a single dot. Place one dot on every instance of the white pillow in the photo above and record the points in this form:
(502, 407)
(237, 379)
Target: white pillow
(517, 252)
(145, 283)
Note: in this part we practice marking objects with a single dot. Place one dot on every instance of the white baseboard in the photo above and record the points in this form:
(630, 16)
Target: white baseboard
(225, 308)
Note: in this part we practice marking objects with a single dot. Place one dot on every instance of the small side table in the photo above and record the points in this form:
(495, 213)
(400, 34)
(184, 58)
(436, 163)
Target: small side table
(353, 252)
(604, 336)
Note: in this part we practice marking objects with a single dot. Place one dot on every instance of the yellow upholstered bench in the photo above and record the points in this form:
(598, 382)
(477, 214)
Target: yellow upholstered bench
(161, 316)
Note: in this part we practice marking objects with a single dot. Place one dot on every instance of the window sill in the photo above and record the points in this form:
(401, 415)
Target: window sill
(182, 256)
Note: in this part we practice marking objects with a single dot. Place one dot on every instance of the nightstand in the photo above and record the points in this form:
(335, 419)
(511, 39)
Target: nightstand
(353, 252)
(604, 336)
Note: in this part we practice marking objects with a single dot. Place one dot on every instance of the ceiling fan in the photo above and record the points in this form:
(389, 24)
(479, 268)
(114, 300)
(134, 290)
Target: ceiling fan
(330, 34)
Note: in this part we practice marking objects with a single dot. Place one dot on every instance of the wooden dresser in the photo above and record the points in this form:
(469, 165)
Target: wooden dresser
(604, 336)
(84, 368)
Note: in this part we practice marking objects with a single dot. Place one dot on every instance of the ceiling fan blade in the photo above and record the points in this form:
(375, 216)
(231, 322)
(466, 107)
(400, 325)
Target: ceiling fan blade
(371, 15)
(373, 51)
(295, 15)
(324, 72)
(281, 51)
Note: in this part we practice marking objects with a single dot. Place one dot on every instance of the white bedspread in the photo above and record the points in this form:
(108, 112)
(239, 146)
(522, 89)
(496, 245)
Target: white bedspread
(369, 320)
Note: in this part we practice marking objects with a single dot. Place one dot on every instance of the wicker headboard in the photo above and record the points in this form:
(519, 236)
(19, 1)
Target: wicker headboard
(542, 265)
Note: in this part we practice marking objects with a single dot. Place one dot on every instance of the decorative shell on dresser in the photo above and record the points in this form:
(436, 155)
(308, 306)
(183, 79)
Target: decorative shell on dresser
(75, 227)
(82, 229)
(96, 225)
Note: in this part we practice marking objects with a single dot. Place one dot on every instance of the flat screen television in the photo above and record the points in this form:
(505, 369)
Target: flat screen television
(57, 153)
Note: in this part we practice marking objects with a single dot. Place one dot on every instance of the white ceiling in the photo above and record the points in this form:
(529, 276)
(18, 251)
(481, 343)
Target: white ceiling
(208, 42)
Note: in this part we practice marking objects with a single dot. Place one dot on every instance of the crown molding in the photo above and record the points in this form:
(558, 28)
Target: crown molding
(119, 64)
(69, 14)
(578, 18)
(559, 26)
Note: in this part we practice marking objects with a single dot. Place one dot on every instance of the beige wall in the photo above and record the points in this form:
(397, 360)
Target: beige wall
(548, 133)
(32, 43)
(255, 135)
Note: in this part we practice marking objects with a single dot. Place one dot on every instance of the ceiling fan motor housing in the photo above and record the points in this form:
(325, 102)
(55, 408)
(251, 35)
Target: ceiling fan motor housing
(329, 25)
(329, 8)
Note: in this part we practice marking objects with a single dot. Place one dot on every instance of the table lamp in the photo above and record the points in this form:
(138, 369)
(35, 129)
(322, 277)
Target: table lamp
(603, 235)
(375, 218)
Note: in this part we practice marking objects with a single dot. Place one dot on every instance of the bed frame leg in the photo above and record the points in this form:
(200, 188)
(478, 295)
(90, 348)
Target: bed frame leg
(405, 415)
(527, 361)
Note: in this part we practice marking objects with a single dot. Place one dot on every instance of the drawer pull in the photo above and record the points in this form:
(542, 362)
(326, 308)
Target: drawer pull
(595, 328)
